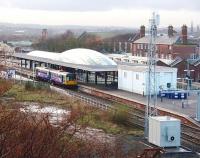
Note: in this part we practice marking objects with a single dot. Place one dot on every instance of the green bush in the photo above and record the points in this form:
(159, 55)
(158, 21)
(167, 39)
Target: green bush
(31, 86)
(119, 116)
(41, 85)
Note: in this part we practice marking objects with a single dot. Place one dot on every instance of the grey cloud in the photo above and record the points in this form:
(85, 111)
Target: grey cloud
(98, 5)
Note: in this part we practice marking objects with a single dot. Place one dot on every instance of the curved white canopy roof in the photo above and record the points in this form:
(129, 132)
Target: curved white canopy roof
(76, 56)
(84, 59)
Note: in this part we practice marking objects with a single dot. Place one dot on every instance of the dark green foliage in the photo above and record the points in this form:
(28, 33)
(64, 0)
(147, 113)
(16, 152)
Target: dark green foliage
(120, 116)
(31, 86)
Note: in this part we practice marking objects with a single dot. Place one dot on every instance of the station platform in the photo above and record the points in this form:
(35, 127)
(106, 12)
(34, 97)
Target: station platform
(185, 107)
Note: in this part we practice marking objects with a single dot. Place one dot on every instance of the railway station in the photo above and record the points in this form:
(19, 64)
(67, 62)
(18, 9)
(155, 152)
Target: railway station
(94, 69)
(146, 84)
(166, 107)
(89, 66)
(124, 93)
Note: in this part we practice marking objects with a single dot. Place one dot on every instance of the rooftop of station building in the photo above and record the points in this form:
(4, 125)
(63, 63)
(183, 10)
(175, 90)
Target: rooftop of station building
(164, 118)
(132, 59)
(144, 68)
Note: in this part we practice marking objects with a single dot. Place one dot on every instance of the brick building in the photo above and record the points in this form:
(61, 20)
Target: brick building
(168, 46)
(182, 65)
(122, 43)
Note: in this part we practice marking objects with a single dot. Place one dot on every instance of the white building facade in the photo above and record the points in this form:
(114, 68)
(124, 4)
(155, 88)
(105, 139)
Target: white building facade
(133, 78)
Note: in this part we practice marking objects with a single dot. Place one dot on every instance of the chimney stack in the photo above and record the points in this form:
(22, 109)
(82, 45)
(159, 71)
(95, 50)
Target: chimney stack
(184, 34)
(170, 31)
(198, 29)
(192, 27)
(142, 31)
(44, 34)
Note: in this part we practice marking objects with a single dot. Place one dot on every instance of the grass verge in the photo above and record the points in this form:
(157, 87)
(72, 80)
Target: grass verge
(45, 96)
(112, 122)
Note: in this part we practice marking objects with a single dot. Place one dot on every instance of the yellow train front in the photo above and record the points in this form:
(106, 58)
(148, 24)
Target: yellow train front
(57, 77)
(70, 81)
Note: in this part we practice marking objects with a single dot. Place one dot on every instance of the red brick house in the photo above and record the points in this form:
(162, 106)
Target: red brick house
(168, 46)
(183, 65)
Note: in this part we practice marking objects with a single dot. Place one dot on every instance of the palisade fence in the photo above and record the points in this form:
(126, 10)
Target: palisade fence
(92, 102)
(83, 98)
(183, 85)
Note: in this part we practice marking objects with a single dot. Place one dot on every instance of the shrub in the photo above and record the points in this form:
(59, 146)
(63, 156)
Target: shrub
(29, 86)
(24, 135)
(4, 86)
(119, 116)
(36, 86)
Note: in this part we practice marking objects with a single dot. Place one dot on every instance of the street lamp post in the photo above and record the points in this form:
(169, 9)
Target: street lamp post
(188, 78)
(34, 64)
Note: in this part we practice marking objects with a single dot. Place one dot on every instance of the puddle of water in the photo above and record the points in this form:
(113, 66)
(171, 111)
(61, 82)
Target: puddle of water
(57, 115)
(95, 134)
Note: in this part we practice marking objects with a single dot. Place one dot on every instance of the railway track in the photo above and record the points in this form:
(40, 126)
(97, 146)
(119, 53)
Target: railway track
(191, 138)
(88, 99)
(190, 135)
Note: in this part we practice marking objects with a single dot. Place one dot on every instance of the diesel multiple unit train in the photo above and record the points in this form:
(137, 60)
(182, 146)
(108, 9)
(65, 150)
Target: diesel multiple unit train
(56, 77)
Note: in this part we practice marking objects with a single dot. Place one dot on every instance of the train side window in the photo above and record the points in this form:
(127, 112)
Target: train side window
(62, 78)
(71, 77)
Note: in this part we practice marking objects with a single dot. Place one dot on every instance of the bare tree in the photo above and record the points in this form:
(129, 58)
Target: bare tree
(24, 135)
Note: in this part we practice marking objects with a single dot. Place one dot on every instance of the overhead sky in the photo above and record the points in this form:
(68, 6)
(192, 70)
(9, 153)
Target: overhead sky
(128, 13)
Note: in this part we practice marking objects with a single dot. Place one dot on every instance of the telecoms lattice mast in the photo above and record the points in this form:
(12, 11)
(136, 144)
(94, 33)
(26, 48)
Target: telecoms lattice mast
(151, 77)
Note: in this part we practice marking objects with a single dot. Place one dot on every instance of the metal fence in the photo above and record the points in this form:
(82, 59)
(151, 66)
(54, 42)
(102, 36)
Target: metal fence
(83, 98)
(90, 101)
(183, 85)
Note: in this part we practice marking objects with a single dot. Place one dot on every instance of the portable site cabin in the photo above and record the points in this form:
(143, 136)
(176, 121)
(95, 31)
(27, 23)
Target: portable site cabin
(164, 131)
(134, 78)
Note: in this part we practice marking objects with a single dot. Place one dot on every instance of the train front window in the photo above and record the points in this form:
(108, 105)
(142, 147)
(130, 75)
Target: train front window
(71, 77)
